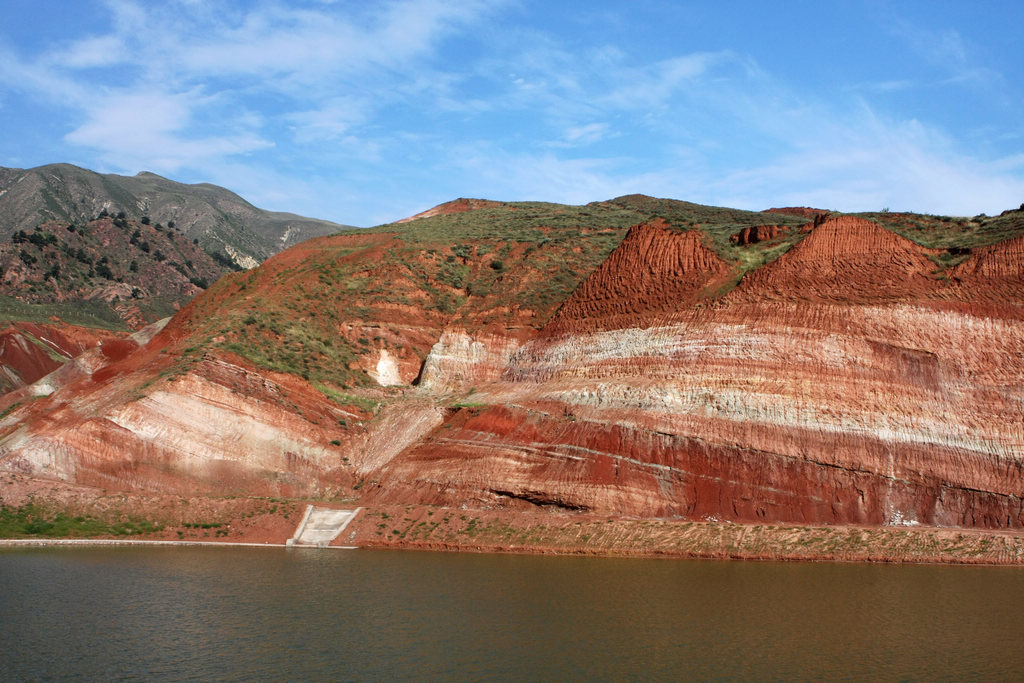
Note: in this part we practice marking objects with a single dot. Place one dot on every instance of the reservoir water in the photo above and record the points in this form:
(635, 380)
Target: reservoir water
(302, 614)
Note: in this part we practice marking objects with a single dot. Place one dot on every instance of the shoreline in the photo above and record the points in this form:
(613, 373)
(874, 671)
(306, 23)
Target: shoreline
(41, 542)
(688, 555)
(484, 549)
(411, 527)
(207, 521)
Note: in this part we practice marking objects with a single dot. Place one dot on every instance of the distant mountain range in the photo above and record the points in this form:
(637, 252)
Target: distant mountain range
(114, 251)
(219, 219)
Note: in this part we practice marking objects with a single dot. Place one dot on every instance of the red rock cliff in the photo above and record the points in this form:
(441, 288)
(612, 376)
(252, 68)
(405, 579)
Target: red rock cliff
(654, 272)
(837, 385)
(847, 382)
(848, 260)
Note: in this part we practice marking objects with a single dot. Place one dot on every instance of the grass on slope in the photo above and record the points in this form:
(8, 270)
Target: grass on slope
(949, 232)
(513, 222)
(32, 520)
(525, 222)
(504, 266)
(955, 236)
(719, 224)
(305, 347)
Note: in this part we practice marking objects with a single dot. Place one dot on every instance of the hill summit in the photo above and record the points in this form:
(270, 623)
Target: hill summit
(220, 220)
(118, 251)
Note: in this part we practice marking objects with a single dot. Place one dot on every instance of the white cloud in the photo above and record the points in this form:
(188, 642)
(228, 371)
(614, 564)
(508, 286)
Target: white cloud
(129, 17)
(587, 134)
(373, 91)
(1014, 162)
(330, 121)
(149, 131)
(192, 78)
(944, 47)
(91, 52)
(947, 51)
(494, 173)
(286, 46)
(40, 81)
(885, 86)
(654, 84)
(869, 163)
(274, 190)
(711, 109)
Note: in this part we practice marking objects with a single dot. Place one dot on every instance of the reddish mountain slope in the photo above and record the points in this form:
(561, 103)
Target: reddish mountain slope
(460, 205)
(994, 273)
(852, 406)
(851, 380)
(849, 260)
(28, 351)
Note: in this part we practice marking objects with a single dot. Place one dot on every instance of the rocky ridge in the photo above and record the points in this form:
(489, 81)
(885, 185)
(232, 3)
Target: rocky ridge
(221, 221)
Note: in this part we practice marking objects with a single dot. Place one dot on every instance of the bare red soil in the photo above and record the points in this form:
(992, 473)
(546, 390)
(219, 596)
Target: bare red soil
(756, 234)
(29, 351)
(993, 274)
(455, 206)
(653, 272)
(847, 260)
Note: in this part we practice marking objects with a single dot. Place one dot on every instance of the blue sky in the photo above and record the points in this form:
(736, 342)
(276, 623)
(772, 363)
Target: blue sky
(366, 112)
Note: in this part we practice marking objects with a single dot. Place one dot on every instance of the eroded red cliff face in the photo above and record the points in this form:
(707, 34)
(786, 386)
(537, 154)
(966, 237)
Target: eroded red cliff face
(756, 234)
(850, 381)
(655, 271)
(845, 259)
(526, 457)
(993, 274)
(29, 351)
(823, 416)
(843, 384)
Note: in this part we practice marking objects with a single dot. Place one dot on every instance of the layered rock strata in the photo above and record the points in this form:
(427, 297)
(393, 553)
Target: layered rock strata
(851, 381)
(840, 384)
(29, 351)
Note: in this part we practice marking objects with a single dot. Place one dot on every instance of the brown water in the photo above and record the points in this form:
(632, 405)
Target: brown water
(274, 614)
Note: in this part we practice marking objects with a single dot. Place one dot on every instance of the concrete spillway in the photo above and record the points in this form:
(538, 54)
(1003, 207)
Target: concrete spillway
(320, 526)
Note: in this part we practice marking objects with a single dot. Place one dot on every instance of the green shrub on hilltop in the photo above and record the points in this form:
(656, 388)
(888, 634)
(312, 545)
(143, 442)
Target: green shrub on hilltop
(951, 233)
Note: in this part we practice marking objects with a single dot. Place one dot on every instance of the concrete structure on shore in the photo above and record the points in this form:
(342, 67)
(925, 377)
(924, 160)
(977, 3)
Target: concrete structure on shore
(320, 526)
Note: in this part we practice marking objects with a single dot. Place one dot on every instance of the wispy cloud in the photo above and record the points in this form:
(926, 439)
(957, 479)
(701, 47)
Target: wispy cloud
(869, 163)
(176, 79)
(543, 177)
(333, 119)
(90, 53)
(947, 51)
(587, 134)
(150, 130)
(285, 46)
(944, 47)
(884, 86)
(654, 84)
(376, 108)
(40, 80)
